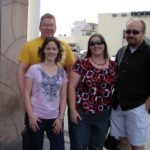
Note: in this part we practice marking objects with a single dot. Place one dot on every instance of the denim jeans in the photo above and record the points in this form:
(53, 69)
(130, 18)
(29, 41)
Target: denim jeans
(90, 132)
(37, 138)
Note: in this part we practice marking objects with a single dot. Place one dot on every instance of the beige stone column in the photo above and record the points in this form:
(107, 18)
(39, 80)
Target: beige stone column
(33, 19)
(13, 35)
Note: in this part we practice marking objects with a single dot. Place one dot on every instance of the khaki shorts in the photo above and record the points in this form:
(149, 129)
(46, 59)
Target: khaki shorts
(132, 124)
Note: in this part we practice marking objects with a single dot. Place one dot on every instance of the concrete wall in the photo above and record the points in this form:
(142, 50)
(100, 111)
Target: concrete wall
(13, 35)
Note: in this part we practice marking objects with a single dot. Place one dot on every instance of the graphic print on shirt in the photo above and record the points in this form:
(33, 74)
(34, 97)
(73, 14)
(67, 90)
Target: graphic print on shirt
(50, 84)
(94, 90)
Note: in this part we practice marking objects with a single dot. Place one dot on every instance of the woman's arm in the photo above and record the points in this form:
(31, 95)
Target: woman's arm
(73, 82)
(63, 102)
(27, 92)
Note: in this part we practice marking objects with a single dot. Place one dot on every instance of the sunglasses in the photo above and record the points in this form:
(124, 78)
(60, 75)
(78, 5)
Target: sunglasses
(98, 42)
(134, 32)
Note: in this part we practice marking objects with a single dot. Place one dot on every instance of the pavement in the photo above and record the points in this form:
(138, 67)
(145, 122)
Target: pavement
(17, 144)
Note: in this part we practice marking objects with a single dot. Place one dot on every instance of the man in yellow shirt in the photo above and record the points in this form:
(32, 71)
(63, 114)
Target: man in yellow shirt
(29, 51)
(29, 56)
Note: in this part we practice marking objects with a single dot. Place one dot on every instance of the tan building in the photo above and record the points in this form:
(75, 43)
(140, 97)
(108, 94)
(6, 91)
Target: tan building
(83, 28)
(13, 35)
(80, 40)
(111, 25)
(80, 34)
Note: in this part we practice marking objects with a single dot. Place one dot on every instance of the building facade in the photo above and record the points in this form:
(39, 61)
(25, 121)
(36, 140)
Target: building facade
(82, 28)
(112, 25)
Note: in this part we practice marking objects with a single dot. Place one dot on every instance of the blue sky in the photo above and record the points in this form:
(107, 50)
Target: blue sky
(69, 11)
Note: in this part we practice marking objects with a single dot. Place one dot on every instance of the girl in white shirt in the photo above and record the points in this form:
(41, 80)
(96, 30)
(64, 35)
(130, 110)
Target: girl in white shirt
(45, 97)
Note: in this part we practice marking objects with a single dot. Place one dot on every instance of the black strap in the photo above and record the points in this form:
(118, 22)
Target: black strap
(120, 55)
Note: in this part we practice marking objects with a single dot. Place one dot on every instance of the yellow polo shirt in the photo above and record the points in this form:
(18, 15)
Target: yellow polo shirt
(29, 53)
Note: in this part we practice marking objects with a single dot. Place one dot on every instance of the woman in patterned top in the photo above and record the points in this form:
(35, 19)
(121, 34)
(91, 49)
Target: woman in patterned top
(90, 87)
(45, 97)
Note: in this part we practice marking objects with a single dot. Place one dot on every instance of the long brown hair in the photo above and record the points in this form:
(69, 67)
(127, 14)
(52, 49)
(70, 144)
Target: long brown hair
(41, 53)
(88, 54)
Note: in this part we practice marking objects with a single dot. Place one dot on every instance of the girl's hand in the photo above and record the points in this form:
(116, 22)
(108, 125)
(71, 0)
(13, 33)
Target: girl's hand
(33, 123)
(75, 117)
(57, 125)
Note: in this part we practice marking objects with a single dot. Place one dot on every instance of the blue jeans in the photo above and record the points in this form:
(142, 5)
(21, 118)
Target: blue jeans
(90, 132)
(37, 138)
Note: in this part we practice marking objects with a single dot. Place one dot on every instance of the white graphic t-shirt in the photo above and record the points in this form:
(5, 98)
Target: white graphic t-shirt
(45, 96)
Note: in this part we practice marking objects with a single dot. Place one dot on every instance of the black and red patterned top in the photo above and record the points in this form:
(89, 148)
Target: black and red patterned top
(93, 93)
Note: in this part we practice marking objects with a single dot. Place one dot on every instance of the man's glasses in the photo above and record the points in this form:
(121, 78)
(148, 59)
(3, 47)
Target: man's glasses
(46, 25)
(134, 32)
(98, 42)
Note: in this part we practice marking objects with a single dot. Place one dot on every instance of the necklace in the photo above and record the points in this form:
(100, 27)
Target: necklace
(98, 63)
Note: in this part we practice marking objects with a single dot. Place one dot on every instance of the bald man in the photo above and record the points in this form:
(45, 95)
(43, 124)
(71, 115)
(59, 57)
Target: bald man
(129, 118)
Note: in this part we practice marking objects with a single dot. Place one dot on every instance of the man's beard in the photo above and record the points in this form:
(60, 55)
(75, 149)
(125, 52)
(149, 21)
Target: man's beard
(131, 43)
